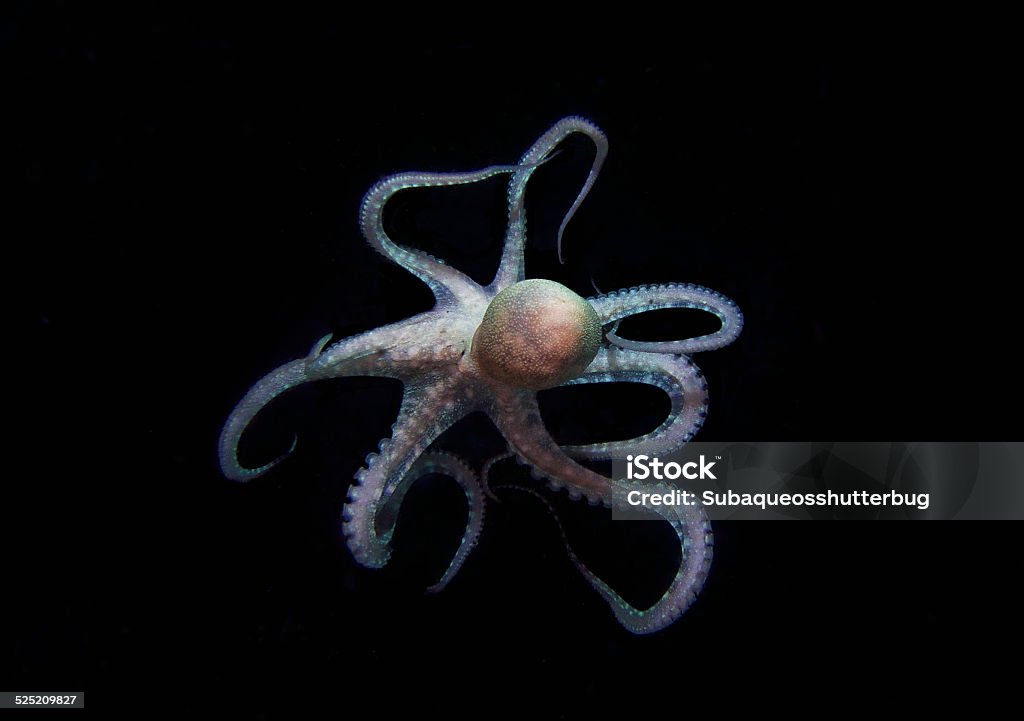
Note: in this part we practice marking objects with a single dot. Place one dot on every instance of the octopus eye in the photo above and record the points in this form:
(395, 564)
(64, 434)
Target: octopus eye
(536, 334)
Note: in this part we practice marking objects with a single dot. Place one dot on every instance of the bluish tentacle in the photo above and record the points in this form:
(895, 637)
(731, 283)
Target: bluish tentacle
(356, 356)
(453, 467)
(678, 376)
(398, 350)
(693, 529)
(620, 304)
(444, 281)
(485, 473)
(517, 416)
(448, 465)
(512, 269)
(266, 389)
(519, 420)
(429, 407)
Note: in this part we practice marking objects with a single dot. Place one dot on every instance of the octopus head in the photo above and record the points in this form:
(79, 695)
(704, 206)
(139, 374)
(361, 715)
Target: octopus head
(536, 334)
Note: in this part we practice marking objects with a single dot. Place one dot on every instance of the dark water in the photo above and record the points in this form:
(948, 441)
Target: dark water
(185, 221)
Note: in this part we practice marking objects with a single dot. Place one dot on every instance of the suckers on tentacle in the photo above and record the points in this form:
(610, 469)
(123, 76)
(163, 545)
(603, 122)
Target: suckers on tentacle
(491, 349)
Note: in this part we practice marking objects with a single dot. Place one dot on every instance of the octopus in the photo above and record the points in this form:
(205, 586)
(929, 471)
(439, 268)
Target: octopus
(491, 349)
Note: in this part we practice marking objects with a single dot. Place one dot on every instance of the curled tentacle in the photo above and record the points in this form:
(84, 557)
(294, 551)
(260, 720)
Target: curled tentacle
(678, 376)
(449, 465)
(511, 269)
(428, 409)
(318, 347)
(623, 303)
(355, 356)
(694, 533)
(693, 529)
(266, 389)
(520, 422)
(485, 473)
(444, 281)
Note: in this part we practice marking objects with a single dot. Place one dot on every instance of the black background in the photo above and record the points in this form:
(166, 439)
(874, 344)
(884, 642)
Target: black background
(184, 220)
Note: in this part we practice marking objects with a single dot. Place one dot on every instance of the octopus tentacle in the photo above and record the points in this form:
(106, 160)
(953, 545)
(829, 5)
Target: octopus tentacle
(520, 422)
(620, 304)
(678, 376)
(397, 350)
(318, 347)
(266, 389)
(485, 473)
(512, 269)
(449, 465)
(693, 529)
(355, 356)
(554, 516)
(428, 409)
(517, 416)
(444, 281)
(695, 535)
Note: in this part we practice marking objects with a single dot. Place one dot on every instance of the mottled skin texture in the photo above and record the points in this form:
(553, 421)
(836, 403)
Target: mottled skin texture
(490, 348)
(536, 334)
